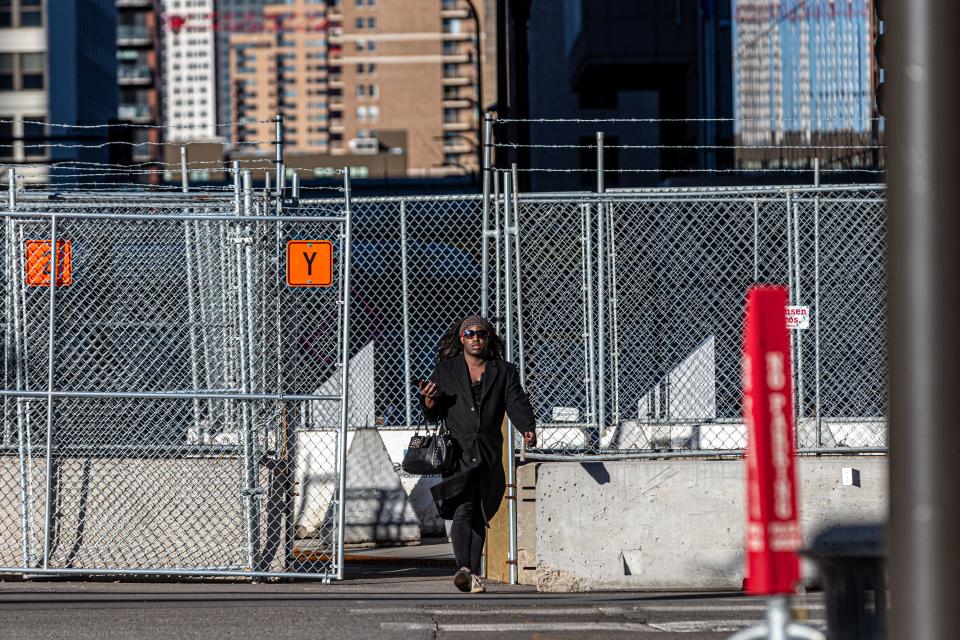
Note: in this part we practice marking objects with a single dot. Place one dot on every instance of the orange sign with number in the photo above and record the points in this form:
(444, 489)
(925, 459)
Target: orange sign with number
(309, 263)
(38, 263)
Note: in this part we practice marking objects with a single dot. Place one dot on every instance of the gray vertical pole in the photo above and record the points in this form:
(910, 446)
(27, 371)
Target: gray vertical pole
(48, 495)
(496, 250)
(924, 301)
(279, 154)
(184, 181)
(295, 186)
(344, 373)
(485, 250)
(14, 251)
(816, 172)
(236, 187)
(509, 443)
(797, 300)
(192, 321)
(405, 293)
(818, 427)
(601, 306)
(591, 330)
(756, 240)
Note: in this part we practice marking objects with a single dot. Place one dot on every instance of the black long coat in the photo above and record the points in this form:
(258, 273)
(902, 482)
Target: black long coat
(478, 434)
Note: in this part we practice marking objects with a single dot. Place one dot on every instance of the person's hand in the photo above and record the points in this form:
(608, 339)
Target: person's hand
(530, 438)
(429, 392)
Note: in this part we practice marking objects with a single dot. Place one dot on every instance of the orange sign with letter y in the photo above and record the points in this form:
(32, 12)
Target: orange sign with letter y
(309, 263)
(38, 263)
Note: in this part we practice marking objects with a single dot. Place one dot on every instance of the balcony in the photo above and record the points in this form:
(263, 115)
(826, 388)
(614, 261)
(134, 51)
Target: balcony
(456, 58)
(335, 81)
(456, 81)
(457, 126)
(122, 4)
(134, 113)
(457, 103)
(134, 75)
(133, 35)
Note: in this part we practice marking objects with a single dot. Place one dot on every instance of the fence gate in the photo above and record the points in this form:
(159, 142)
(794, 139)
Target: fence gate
(173, 403)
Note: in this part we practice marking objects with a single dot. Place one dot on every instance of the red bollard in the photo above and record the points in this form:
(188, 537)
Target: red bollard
(773, 537)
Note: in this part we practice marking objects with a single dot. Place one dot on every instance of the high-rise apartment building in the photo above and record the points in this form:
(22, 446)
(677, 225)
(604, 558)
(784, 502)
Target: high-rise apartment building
(140, 77)
(348, 75)
(57, 69)
(189, 70)
(232, 16)
(805, 83)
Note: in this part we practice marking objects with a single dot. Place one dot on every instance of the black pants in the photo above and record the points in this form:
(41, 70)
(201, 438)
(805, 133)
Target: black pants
(468, 530)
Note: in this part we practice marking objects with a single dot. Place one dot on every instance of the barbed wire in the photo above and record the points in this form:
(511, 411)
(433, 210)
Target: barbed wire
(762, 170)
(134, 125)
(102, 145)
(515, 145)
(681, 120)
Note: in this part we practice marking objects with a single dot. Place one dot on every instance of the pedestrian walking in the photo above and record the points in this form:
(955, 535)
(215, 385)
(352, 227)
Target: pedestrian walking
(471, 389)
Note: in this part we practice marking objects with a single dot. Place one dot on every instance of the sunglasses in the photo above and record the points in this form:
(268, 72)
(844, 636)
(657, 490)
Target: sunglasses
(483, 334)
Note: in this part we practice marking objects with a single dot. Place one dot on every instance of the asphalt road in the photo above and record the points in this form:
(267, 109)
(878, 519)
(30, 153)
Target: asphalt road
(386, 603)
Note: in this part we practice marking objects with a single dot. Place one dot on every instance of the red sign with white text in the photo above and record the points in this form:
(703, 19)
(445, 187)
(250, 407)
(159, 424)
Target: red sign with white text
(773, 518)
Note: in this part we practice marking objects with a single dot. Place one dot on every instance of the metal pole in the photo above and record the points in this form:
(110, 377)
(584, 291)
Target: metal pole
(48, 506)
(800, 409)
(818, 427)
(236, 187)
(601, 307)
(243, 319)
(591, 330)
(485, 247)
(756, 240)
(14, 345)
(924, 243)
(511, 457)
(345, 373)
(295, 186)
(816, 172)
(496, 248)
(23, 421)
(184, 182)
(404, 248)
(278, 161)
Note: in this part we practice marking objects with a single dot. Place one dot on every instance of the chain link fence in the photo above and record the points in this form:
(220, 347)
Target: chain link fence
(177, 410)
(631, 310)
(171, 406)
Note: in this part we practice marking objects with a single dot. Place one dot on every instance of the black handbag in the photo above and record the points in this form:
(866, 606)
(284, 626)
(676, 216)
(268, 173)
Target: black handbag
(430, 454)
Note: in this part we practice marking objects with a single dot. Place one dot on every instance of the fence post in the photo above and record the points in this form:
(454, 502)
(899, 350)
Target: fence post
(405, 286)
(590, 337)
(278, 161)
(344, 372)
(511, 458)
(236, 187)
(797, 301)
(13, 252)
(818, 416)
(485, 241)
(517, 266)
(496, 251)
(48, 495)
(601, 307)
(184, 180)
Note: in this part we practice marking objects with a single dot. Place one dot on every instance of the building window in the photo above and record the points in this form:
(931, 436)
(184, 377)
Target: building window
(31, 71)
(373, 113)
(6, 134)
(358, 23)
(371, 22)
(361, 91)
(374, 91)
(7, 71)
(34, 133)
(361, 113)
(6, 13)
(31, 13)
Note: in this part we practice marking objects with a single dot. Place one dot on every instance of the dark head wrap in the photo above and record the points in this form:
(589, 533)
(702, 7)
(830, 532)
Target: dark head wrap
(476, 321)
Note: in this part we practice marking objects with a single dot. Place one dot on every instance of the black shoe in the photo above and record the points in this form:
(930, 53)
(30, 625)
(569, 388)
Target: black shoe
(462, 579)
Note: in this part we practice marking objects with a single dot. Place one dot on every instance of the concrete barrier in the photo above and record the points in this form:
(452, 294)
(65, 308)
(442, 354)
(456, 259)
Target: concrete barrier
(673, 524)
